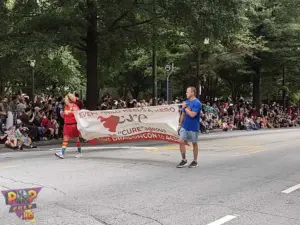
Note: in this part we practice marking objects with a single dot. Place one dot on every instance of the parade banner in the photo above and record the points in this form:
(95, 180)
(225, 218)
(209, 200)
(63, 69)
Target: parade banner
(126, 125)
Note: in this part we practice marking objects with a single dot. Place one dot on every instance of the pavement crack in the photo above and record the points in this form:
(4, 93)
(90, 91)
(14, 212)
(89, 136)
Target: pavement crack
(100, 221)
(5, 187)
(85, 214)
(139, 215)
(44, 186)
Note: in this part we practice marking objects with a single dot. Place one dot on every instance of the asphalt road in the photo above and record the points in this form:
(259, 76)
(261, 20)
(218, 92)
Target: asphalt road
(246, 178)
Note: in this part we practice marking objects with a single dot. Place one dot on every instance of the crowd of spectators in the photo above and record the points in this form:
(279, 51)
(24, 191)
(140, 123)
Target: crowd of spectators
(42, 119)
(108, 103)
(23, 121)
(242, 116)
(225, 115)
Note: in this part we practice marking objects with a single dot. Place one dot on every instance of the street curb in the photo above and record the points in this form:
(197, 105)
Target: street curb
(248, 133)
(204, 137)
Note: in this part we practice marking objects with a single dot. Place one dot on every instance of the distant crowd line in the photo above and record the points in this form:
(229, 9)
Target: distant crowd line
(23, 121)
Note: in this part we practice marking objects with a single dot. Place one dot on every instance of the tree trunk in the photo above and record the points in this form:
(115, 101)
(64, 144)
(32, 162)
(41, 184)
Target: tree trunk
(135, 91)
(256, 88)
(91, 54)
(215, 88)
(154, 58)
(283, 87)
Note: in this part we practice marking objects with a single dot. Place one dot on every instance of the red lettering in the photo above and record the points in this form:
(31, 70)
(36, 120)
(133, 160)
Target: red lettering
(81, 114)
(124, 132)
(87, 114)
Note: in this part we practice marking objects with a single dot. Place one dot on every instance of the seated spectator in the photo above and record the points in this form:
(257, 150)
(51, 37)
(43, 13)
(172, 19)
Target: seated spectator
(17, 138)
(225, 126)
(37, 121)
(49, 126)
(249, 123)
(231, 125)
(258, 122)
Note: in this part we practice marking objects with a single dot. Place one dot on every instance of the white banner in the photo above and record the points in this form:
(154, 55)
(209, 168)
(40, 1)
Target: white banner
(124, 125)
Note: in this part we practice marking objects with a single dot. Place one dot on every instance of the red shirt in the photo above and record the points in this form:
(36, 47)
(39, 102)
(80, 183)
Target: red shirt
(45, 122)
(254, 113)
(69, 116)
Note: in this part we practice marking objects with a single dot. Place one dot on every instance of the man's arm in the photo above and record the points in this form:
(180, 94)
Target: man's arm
(181, 118)
(190, 112)
(194, 111)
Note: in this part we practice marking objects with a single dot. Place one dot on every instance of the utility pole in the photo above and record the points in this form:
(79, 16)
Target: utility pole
(169, 69)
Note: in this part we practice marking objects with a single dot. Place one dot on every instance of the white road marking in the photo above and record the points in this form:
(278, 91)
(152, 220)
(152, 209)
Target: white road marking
(289, 190)
(223, 220)
(7, 167)
(108, 147)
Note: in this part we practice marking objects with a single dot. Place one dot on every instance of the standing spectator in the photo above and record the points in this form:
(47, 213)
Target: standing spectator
(21, 106)
(48, 107)
(13, 108)
(59, 109)
(3, 114)
(230, 112)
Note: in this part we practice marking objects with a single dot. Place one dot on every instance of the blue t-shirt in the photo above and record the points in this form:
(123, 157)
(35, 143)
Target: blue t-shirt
(192, 123)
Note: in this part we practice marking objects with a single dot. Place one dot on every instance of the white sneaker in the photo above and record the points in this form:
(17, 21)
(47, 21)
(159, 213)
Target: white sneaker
(59, 155)
(79, 155)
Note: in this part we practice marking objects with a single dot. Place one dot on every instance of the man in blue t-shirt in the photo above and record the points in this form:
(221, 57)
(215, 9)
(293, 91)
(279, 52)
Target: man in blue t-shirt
(189, 126)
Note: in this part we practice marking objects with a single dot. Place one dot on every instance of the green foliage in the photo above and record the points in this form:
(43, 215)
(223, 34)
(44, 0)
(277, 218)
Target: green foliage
(243, 35)
(295, 99)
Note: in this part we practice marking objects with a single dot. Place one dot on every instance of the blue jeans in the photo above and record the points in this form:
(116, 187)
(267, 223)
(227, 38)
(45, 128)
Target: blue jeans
(190, 136)
(41, 130)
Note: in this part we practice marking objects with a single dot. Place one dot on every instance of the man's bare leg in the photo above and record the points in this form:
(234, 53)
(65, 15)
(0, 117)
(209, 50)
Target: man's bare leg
(182, 150)
(195, 151)
(183, 162)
